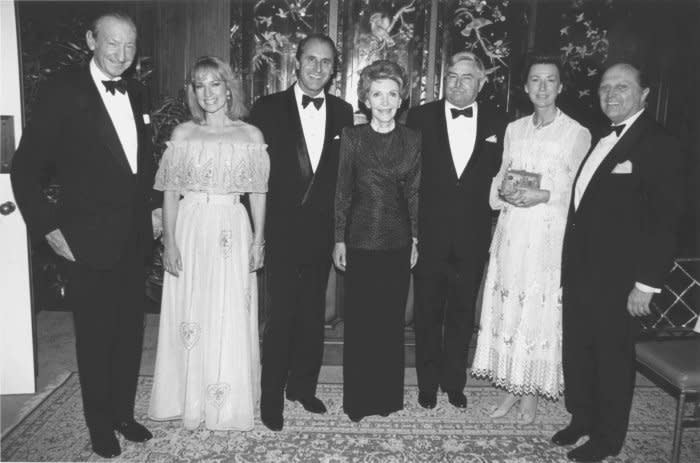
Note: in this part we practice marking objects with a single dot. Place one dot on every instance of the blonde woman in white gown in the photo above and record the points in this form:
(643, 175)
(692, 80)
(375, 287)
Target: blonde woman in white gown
(208, 362)
(519, 343)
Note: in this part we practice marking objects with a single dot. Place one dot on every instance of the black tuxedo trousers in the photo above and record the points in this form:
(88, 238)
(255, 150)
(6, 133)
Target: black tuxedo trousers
(107, 309)
(599, 360)
(444, 323)
(294, 329)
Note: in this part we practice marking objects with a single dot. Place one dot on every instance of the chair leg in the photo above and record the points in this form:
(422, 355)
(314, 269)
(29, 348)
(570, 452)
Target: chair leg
(678, 429)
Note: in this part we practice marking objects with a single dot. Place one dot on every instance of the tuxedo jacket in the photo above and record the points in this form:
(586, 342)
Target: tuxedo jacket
(102, 203)
(624, 229)
(454, 212)
(299, 218)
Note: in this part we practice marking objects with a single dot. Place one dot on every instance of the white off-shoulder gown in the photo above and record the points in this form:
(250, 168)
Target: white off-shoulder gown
(208, 360)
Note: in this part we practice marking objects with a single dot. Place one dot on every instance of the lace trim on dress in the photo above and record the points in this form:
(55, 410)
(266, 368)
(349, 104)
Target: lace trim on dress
(214, 167)
(536, 376)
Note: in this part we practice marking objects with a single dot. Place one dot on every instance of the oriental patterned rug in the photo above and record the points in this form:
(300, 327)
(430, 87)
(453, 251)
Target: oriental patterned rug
(55, 431)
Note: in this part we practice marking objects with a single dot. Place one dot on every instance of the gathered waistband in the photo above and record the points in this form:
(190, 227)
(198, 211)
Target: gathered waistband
(203, 197)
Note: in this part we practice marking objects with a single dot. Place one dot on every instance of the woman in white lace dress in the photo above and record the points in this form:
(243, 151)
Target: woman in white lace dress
(208, 361)
(519, 343)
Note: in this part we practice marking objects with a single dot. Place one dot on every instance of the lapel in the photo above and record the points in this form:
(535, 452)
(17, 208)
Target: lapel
(619, 153)
(479, 141)
(444, 139)
(138, 109)
(297, 134)
(572, 209)
(102, 123)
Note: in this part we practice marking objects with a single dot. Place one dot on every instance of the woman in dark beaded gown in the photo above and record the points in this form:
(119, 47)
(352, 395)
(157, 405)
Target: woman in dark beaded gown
(376, 217)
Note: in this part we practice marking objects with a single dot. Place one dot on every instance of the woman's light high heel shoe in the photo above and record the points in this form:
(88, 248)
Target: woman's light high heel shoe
(528, 410)
(505, 406)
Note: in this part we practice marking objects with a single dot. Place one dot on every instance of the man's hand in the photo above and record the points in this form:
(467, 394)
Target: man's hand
(340, 256)
(257, 256)
(59, 244)
(638, 302)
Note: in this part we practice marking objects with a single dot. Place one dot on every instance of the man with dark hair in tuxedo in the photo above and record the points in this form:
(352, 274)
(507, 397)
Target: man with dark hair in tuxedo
(302, 128)
(619, 244)
(89, 125)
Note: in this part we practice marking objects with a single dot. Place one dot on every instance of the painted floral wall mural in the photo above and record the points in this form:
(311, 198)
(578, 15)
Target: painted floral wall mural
(482, 27)
(584, 48)
(264, 37)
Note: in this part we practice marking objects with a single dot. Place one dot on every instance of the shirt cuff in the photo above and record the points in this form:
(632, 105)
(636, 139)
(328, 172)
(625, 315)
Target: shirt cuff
(646, 289)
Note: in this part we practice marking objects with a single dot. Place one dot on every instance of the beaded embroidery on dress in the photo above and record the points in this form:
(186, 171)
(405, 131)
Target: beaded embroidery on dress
(208, 360)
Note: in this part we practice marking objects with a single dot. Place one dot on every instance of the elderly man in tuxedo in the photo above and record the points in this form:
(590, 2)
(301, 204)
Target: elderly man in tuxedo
(618, 246)
(462, 144)
(302, 128)
(90, 127)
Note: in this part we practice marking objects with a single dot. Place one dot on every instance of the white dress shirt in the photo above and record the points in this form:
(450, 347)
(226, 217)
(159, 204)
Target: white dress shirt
(313, 123)
(591, 165)
(119, 110)
(461, 133)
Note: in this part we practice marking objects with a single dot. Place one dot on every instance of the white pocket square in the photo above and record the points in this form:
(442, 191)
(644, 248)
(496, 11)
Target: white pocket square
(146, 119)
(623, 168)
(492, 139)
(337, 137)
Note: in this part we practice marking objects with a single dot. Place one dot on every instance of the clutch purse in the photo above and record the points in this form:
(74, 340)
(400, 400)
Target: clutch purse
(514, 179)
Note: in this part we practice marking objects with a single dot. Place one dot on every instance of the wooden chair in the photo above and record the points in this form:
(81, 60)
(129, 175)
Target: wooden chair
(668, 350)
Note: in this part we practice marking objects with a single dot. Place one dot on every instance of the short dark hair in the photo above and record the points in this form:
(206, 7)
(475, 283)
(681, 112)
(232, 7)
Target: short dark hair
(641, 74)
(542, 58)
(381, 69)
(116, 14)
(321, 38)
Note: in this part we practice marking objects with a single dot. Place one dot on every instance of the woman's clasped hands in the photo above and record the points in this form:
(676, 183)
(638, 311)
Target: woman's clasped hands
(524, 197)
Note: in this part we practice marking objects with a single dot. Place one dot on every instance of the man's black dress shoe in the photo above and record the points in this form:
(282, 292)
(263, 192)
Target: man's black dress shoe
(311, 404)
(355, 418)
(272, 421)
(457, 398)
(106, 446)
(568, 436)
(427, 400)
(133, 431)
(590, 452)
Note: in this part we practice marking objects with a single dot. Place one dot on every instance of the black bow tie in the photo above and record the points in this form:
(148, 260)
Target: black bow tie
(466, 112)
(112, 85)
(613, 128)
(306, 99)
